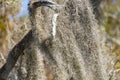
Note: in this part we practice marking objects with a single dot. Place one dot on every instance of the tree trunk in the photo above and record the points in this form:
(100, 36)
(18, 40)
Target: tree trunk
(73, 53)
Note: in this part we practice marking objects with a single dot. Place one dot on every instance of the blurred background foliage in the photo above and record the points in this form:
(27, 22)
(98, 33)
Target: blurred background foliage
(8, 10)
(13, 25)
(111, 26)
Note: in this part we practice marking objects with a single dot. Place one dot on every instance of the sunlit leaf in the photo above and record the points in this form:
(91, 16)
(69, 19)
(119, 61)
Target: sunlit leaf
(117, 65)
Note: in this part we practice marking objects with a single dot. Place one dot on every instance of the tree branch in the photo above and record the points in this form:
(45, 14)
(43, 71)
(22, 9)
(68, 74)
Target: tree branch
(14, 55)
(52, 5)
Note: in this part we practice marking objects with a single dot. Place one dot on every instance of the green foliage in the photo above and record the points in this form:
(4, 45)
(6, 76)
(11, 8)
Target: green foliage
(112, 17)
(117, 64)
(111, 10)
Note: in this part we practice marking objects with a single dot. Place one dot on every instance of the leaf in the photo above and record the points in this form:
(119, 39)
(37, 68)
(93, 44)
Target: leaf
(117, 65)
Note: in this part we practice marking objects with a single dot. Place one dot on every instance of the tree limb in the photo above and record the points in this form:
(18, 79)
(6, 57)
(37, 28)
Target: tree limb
(14, 55)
